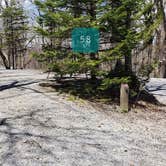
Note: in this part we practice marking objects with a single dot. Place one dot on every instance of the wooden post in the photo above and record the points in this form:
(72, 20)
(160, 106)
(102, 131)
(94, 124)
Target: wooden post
(162, 72)
(124, 98)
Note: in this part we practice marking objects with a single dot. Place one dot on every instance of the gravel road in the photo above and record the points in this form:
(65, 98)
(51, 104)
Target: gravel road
(39, 127)
(157, 87)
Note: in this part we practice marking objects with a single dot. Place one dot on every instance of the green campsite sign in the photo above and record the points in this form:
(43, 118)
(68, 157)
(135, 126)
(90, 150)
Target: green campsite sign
(85, 40)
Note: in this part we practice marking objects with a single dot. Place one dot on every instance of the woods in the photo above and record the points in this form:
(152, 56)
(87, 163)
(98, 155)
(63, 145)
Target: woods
(82, 82)
(13, 34)
(131, 43)
(130, 28)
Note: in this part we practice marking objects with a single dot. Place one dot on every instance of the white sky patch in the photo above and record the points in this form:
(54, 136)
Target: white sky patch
(27, 4)
(30, 10)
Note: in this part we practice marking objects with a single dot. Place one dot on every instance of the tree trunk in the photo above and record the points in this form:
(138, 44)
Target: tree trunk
(128, 57)
(4, 59)
(92, 12)
(161, 40)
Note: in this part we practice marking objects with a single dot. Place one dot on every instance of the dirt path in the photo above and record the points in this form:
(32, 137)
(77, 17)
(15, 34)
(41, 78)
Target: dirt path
(38, 127)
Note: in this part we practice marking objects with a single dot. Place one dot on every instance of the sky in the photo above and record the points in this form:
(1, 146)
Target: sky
(30, 9)
(27, 4)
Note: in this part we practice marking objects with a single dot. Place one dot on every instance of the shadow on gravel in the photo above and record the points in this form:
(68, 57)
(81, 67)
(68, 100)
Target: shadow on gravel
(160, 89)
(14, 134)
(8, 86)
(88, 89)
(16, 84)
(85, 89)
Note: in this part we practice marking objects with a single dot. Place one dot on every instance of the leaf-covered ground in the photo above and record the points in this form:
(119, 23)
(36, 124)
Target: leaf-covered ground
(38, 127)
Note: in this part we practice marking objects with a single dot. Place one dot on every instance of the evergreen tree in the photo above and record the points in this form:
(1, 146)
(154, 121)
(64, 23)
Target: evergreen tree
(131, 24)
(15, 31)
(126, 21)
(58, 19)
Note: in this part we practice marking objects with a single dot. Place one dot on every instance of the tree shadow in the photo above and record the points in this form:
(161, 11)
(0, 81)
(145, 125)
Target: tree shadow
(8, 86)
(148, 97)
(155, 88)
(85, 89)
(15, 134)
(16, 84)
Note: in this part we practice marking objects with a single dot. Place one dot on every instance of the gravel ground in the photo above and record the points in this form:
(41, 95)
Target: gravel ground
(39, 127)
(157, 87)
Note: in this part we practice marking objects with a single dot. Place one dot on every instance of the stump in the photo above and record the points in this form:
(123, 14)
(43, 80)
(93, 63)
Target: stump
(124, 98)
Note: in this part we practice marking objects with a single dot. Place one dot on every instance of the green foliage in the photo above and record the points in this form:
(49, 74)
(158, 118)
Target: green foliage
(117, 81)
(14, 35)
(147, 69)
(129, 23)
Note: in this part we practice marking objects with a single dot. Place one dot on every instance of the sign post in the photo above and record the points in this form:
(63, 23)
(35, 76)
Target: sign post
(124, 97)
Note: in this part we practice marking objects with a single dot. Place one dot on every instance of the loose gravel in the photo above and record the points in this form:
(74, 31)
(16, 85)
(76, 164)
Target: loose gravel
(39, 127)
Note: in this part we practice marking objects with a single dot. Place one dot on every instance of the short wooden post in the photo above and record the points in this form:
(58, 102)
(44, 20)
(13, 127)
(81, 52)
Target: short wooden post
(124, 97)
(162, 70)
